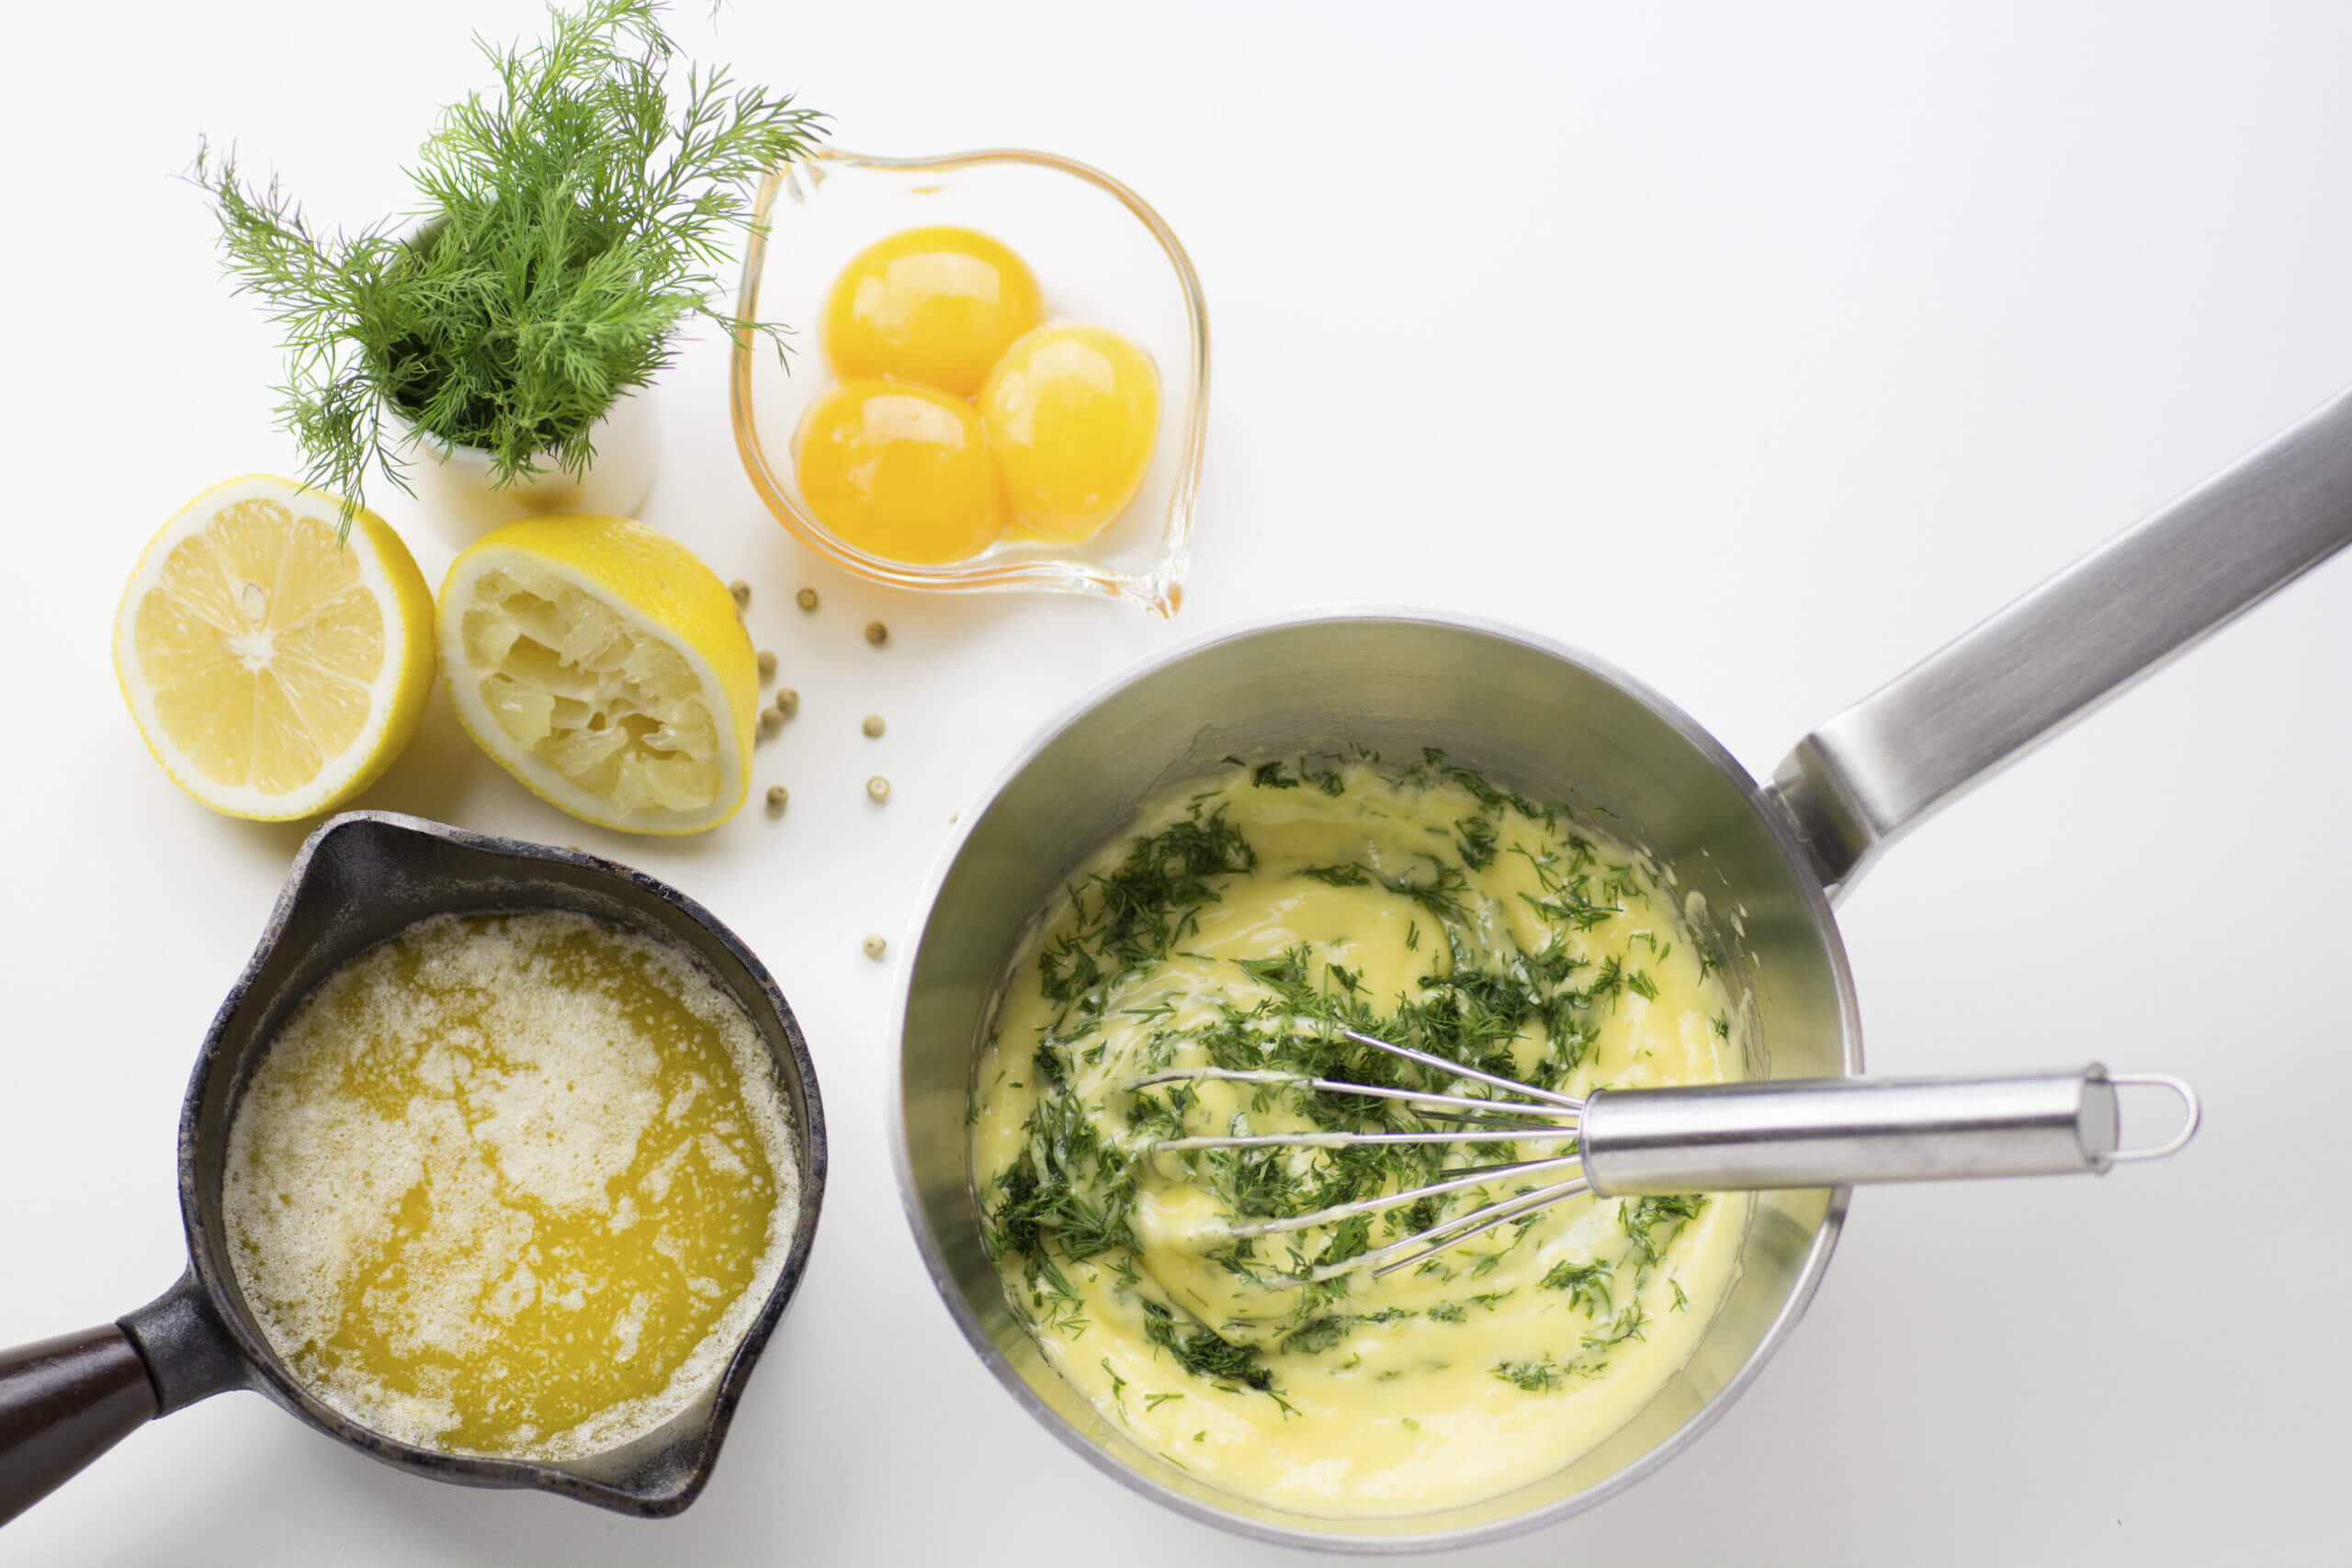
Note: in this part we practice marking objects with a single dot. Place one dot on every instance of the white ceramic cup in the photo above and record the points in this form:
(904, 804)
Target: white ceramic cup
(453, 489)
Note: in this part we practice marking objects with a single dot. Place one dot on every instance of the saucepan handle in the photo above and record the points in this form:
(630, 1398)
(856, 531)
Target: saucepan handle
(1838, 1132)
(1863, 779)
(63, 1402)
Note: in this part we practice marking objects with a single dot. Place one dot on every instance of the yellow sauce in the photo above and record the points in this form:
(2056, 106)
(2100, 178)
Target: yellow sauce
(1367, 895)
(511, 1184)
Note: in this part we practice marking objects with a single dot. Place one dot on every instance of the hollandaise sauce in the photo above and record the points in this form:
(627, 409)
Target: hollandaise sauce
(511, 1184)
(1245, 921)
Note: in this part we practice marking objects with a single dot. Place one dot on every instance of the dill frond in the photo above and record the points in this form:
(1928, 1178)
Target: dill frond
(571, 221)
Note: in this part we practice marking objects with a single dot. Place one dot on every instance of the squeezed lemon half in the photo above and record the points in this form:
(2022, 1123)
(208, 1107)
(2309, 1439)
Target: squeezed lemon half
(272, 671)
(603, 665)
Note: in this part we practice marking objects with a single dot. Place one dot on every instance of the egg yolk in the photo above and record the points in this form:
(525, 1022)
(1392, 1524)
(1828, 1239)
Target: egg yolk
(898, 471)
(1072, 414)
(937, 306)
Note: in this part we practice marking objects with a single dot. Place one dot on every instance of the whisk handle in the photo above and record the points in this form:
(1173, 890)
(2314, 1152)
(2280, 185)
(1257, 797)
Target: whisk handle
(1841, 1132)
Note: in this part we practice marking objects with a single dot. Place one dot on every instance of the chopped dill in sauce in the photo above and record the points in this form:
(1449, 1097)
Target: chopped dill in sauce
(1241, 929)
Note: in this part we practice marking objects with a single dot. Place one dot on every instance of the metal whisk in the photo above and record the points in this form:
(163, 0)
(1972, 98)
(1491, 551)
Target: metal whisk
(1704, 1138)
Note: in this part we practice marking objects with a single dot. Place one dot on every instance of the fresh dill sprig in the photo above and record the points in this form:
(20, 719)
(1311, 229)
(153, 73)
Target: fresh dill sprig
(1651, 1222)
(569, 224)
(1539, 1376)
(1477, 836)
(1274, 775)
(1631, 1324)
(1587, 1284)
(1136, 914)
(1204, 1352)
(1316, 1335)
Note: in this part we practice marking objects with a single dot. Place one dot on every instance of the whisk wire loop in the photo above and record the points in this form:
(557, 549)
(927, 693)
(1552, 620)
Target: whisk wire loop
(1484, 1176)
(1468, 1104)
(1445, 1235)
(1542, 1116)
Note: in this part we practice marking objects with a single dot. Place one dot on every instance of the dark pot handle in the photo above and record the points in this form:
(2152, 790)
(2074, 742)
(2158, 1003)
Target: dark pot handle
(63, 1402)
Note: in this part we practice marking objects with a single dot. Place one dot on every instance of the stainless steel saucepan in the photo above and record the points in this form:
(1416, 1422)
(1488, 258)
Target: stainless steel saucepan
(1561, 725)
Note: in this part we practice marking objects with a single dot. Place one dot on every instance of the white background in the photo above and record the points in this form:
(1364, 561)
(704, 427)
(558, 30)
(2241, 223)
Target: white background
(1757, 349)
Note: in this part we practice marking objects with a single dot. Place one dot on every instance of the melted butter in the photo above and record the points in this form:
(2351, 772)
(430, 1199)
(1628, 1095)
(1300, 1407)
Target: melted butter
(1507, 1358)
(511, 1184)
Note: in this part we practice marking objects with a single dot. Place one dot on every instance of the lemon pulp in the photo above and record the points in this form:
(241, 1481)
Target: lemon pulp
(603, 665)
(511, 1184)
(620, 717)
(273, 669)
(898, 470)
(935, 305)
(1072, 414)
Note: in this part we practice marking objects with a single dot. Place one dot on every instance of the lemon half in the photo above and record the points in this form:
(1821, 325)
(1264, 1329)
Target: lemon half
(603, 665)
(274, 672)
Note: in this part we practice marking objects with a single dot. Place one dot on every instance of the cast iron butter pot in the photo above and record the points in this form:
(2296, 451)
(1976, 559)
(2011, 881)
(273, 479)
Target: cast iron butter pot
(356, 881)
(1765, 860)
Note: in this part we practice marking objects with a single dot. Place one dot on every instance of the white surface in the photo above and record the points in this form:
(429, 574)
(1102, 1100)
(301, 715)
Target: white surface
(1756, 352)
